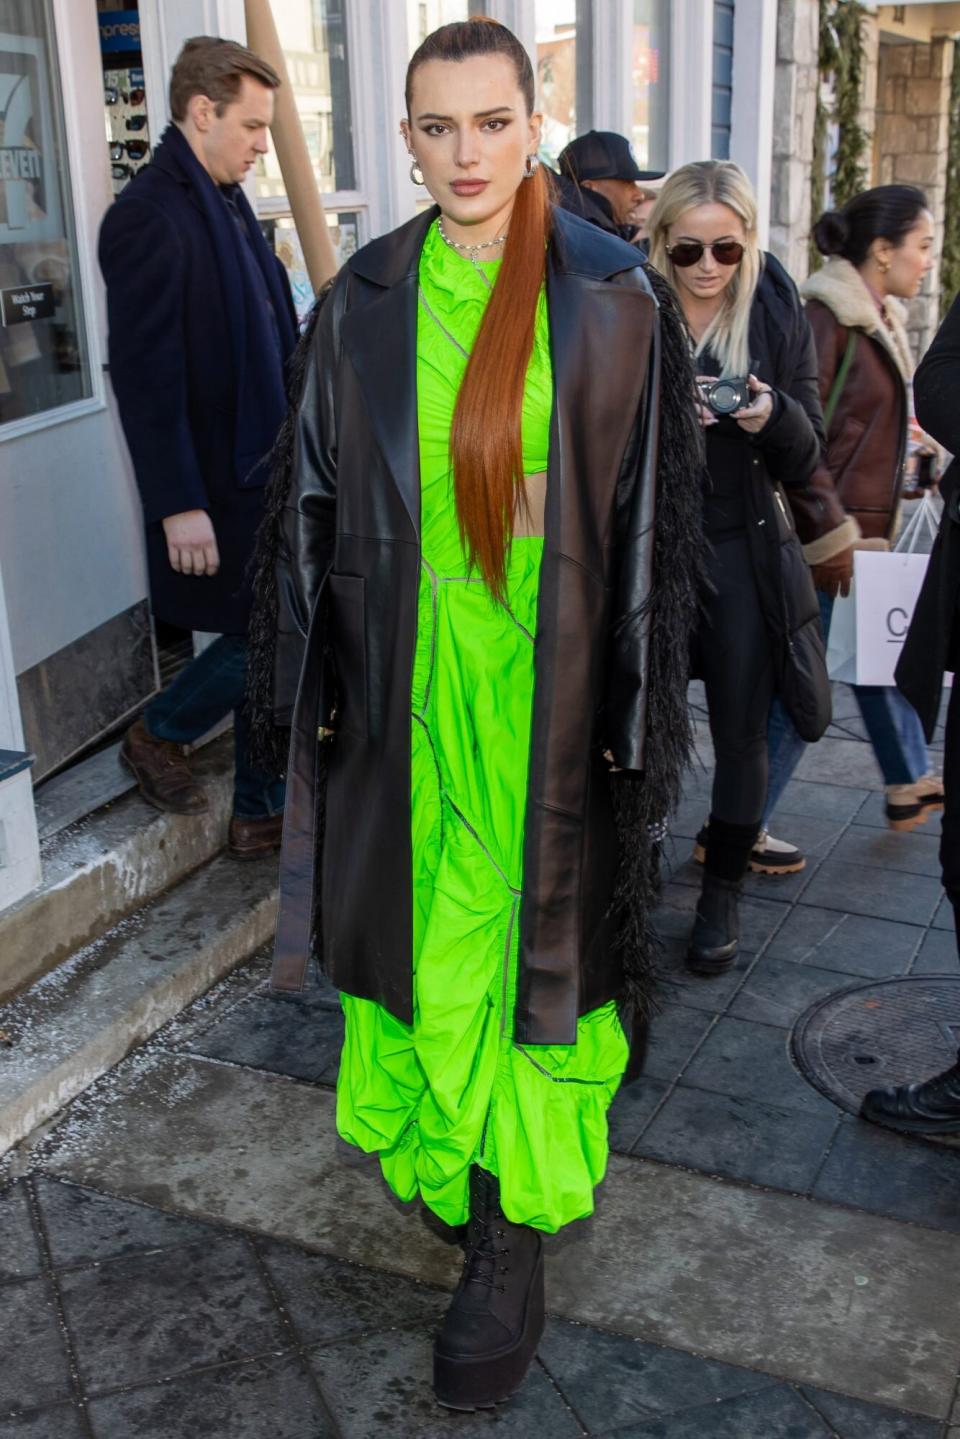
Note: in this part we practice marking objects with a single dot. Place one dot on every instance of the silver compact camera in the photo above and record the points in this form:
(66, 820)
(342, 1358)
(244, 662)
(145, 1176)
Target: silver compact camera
(724, 397)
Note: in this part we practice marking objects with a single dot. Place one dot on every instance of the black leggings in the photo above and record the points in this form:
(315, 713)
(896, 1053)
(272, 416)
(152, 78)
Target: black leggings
(734, 658)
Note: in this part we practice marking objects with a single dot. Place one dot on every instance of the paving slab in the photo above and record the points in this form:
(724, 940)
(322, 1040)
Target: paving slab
(778, 1411)
(819, 801)
(878, 1170)
(845, 762)
(382, 1385)
(848, 943)
(675, 1034)
(152, 1316)
(854, 1420)
(860, 889)
(19, 1252)
(745, 1276)
(34, 1371)
(237, 1401)
(777, 990)
(887, 849)
(84, 1228)
(62, 1422)
(738, 1137)
(611, 1380)
(752, 1061)
(937, 954)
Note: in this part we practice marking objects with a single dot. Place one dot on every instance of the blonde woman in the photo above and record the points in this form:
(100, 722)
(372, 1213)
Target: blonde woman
(760, 408)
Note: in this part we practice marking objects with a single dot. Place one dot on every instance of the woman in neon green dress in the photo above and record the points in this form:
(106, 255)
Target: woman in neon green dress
(465, 588)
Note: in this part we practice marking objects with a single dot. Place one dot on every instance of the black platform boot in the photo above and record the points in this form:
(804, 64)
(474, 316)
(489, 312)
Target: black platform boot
(930, 1107)
(715, 940)
(493, 1326)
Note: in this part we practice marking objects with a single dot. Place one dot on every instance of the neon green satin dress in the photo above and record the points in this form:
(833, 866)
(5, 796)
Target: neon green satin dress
(454, 1088)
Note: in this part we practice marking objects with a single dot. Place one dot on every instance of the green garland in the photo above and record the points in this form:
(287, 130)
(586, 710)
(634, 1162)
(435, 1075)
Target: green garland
(950, 257)
(841, 56)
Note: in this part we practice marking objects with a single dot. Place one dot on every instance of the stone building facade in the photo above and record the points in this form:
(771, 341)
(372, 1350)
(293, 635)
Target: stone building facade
(905, 112)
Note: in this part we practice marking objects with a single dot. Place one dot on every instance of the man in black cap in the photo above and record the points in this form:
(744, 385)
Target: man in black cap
(601, 181)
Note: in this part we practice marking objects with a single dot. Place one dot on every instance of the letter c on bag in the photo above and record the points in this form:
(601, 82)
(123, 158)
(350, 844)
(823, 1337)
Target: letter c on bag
(898, 622)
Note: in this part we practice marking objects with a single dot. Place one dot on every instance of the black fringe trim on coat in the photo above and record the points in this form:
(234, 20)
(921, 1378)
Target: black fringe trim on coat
(270, 742)
(643, 804)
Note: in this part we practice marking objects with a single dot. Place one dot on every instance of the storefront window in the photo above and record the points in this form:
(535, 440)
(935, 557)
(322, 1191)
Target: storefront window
(651, 22)
(556, 22)
(313, 34)
(281, 235)
(43, 352)
(425, 16)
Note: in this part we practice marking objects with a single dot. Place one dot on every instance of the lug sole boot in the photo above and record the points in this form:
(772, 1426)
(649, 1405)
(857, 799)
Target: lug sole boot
(768, 856)
(715, 940)
(930, 1107)
(495, 1321)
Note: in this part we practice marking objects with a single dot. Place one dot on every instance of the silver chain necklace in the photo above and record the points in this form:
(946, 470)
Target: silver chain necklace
(470, 250)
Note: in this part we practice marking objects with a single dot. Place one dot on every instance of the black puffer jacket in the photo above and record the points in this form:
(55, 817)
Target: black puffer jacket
(770, 469)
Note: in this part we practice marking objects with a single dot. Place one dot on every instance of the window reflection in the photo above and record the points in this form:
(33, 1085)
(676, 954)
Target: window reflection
(556, 22)
(425, 16)
(313, 34)
(43, 356)
(650, 83)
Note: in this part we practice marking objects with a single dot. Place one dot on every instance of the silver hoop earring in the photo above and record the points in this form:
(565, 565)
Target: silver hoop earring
(531, 167)
(416, 174)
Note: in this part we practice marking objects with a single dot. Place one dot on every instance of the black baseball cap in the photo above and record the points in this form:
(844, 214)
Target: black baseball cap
(603, 155)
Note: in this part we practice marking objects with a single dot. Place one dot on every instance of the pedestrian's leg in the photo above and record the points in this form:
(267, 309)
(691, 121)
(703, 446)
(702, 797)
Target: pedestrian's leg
(737, 670)
(203, 693)
(785, 748)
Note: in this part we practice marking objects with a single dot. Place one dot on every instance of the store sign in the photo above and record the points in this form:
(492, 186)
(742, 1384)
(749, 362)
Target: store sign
(119, 30)
(26, 303)
(29, 199)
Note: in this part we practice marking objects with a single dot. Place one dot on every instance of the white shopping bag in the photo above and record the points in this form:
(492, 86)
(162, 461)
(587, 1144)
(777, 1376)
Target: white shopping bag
(885, 590)
(842, 641)
(867, 630)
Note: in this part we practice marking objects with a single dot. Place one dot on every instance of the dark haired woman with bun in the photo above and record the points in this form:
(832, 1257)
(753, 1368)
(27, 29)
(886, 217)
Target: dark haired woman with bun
(879, 247)
(472, 565)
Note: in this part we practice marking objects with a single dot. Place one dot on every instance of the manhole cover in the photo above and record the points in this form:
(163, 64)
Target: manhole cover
(887, 1031)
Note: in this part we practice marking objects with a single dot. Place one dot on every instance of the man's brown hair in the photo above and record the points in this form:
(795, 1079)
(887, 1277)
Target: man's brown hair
(209, 66)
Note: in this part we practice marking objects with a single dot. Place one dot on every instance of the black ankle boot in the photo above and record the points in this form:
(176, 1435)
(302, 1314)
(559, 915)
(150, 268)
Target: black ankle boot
(716, 930)
(931, 1107)
(494, 1323)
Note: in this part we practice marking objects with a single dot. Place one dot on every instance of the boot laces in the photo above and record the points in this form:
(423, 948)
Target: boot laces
(481, 1254)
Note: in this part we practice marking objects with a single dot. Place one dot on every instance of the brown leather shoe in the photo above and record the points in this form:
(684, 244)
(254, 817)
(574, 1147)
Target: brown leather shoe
(162, 771)
(253, 838)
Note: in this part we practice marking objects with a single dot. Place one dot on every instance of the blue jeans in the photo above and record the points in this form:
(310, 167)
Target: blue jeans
(203, 693)
(892, 724)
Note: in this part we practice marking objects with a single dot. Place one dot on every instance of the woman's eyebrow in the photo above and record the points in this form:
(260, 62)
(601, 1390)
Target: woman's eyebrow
(480, 115)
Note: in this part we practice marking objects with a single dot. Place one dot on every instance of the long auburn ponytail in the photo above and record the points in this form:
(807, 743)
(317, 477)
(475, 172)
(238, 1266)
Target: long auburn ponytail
(485, 439)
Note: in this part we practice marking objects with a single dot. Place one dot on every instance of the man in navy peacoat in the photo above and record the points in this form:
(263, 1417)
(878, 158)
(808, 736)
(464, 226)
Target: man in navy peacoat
(201, 328)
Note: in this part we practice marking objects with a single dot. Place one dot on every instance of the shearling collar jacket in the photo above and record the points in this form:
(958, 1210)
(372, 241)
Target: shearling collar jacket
(867, 435)
(348, 582)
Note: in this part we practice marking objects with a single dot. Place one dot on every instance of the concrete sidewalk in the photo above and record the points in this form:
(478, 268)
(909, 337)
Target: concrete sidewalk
(189, 1252)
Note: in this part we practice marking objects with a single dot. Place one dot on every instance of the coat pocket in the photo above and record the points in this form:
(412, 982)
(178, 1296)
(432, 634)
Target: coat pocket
(348, 643)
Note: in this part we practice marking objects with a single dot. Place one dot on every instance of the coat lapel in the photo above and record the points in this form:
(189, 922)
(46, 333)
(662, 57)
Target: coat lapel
(380, 339)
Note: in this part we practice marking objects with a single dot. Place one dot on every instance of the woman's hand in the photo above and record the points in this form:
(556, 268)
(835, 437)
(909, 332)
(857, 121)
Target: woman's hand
(755, 416)
(704, 413)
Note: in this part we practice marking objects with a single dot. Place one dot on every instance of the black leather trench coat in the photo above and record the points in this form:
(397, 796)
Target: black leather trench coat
(348, 605)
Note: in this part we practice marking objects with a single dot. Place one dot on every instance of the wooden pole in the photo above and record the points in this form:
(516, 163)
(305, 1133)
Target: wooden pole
(295, 167)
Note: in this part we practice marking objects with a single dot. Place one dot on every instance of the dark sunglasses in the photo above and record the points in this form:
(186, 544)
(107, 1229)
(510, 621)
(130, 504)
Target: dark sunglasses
(110, 95)
(136, 122)
(687, 252)
(134, 149)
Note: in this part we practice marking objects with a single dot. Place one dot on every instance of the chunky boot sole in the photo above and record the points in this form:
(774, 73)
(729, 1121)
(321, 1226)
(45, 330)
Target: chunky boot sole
(911, 1126)
(490, 1379)
(717, 962)
(756, 866)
